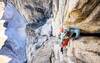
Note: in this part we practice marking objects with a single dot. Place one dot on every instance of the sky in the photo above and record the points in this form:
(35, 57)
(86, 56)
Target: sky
(3, 37)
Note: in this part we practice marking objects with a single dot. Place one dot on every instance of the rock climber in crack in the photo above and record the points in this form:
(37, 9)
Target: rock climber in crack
(73, 33)
(66, 35)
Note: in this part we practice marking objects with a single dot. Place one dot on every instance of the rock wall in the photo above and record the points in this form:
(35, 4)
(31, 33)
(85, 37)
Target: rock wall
(36, 14)
(14, 45)
(3, 37)
(83, 14)
(44, 18)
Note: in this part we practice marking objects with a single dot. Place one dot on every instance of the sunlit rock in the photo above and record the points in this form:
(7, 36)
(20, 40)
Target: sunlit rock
(4, 59)
(41, 47)
(2, 5)
(14, 45)
(3, 37)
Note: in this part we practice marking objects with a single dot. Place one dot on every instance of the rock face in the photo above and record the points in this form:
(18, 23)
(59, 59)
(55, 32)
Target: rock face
(15, 25)
(83, 14)
(37, 10)
(44, 19)
(3, 37)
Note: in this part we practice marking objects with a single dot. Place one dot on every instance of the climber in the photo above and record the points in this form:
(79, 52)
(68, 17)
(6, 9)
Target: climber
(74, 33)
(65, 40)
(67, 34)
(64, 44)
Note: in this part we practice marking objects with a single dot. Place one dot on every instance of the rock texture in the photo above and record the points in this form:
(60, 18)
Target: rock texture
(14, 46)
(36, 36)
(83, 14)
(4, 59)
(37, 10)
(3, 37)
(44, 19)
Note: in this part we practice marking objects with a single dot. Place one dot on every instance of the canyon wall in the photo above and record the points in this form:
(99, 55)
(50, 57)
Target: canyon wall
(43, 20)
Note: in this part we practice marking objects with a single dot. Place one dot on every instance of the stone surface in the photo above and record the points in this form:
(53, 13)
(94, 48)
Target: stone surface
(3, 37)
(4, 59)
(14, 46)
(41, 47)
(83, 14)
(2, 29)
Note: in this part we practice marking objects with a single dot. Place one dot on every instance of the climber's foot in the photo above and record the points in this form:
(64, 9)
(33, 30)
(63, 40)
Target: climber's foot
(62, 50)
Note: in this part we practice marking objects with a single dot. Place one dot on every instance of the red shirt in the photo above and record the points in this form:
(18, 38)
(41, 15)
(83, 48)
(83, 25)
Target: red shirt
(65, 43)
